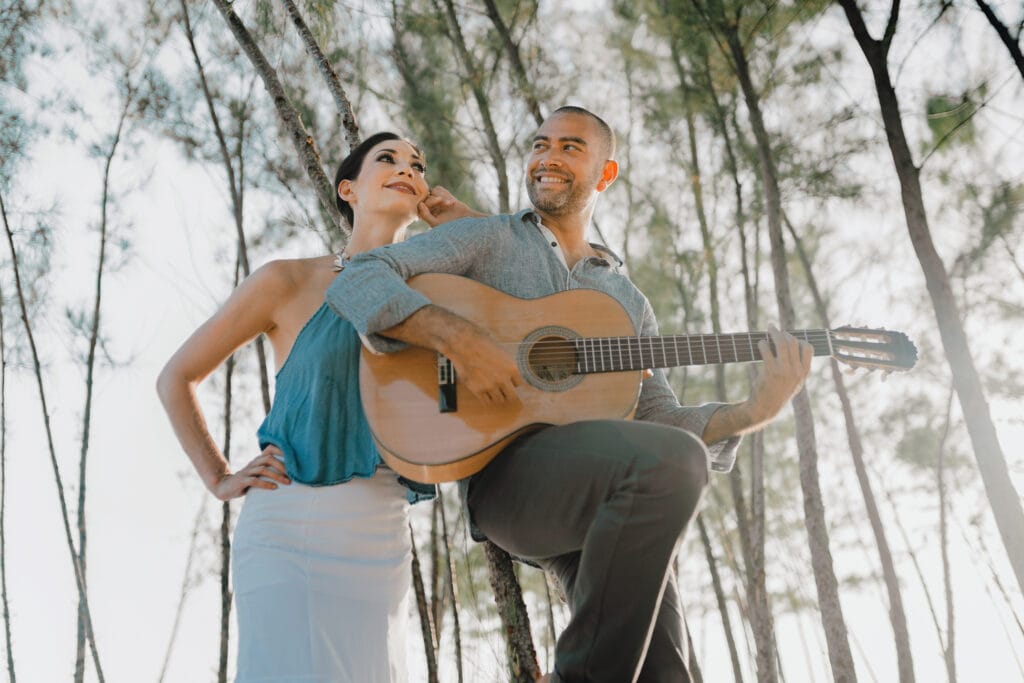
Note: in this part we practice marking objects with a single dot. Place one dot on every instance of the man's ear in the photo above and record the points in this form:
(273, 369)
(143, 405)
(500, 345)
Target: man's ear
(346, 191)
(609, 172)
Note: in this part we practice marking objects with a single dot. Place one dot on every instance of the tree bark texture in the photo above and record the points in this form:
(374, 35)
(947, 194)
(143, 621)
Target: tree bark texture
(323, 65)
(426, 623)
(522, 657)
(450, 569)
(302, 140)
(1002, 495)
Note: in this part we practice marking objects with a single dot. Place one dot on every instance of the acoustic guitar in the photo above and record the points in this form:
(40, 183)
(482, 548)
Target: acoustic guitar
(580, 357)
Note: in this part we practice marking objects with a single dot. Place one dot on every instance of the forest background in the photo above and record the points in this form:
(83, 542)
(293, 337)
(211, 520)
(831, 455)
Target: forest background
(808, 163)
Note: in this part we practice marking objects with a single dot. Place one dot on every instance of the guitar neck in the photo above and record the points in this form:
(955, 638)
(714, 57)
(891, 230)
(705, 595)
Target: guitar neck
(615, 354)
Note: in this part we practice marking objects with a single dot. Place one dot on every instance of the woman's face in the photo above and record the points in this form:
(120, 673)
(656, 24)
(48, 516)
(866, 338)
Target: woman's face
(391, 181)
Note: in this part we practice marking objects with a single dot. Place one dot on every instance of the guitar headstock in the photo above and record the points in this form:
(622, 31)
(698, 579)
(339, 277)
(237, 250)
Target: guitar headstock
(862, 347)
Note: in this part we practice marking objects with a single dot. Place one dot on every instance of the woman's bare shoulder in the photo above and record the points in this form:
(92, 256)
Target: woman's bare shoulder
(288, 276)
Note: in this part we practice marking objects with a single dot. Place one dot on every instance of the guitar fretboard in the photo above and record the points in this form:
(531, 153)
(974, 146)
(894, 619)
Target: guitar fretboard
(615, 354)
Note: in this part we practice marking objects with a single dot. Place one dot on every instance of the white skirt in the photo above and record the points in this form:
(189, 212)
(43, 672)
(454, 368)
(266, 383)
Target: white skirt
(321, 581)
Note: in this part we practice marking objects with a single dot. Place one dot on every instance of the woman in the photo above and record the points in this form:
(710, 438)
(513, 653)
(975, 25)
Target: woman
(320, 564)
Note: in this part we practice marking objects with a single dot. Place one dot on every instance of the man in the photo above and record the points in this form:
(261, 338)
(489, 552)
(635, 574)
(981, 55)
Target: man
(601, 504)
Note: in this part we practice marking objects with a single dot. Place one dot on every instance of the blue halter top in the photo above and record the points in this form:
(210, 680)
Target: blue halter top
(317, 417)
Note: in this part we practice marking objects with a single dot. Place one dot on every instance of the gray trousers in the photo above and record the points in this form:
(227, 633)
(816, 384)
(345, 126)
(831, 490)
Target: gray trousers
(603, 505)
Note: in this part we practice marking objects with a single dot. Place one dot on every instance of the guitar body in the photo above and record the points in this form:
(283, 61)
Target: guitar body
(400, 391)
(581, 359)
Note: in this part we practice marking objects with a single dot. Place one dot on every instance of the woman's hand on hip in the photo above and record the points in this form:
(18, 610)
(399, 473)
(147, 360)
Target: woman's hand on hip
(265, 471)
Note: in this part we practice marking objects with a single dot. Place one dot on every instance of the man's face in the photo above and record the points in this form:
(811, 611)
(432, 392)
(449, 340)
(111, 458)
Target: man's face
(565, 164)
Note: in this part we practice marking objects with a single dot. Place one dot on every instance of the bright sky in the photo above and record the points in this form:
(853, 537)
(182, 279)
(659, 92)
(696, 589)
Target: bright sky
(143, 496)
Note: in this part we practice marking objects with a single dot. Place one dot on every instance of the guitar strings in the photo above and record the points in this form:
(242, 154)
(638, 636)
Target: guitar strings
(713, 348)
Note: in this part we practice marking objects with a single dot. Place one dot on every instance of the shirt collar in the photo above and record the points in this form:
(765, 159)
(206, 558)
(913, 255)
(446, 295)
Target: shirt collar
(533, 217)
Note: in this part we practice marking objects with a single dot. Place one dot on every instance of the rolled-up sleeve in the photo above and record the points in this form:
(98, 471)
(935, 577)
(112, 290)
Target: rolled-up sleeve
(371, 292)
(658, 403)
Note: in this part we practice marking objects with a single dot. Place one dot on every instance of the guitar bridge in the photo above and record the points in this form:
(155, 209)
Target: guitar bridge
(447, 398)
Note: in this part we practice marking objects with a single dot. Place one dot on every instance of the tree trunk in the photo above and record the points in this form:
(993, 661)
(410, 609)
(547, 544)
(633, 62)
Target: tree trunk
(696, 187)
(833, 622)
(3, 497)
(1002, 495)
(225, 522)
(522, 657)
(897, 616)
(236, 187)
(426, 623)
(723, 606)
(949, 651)
(474, 76)
(761, 614)
(518, 70)
(450, 568)
(438, 589)
(302, 141)
(345, 113)
(37, 366)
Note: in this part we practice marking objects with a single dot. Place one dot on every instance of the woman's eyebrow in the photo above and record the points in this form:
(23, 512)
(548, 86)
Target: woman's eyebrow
(414, 155)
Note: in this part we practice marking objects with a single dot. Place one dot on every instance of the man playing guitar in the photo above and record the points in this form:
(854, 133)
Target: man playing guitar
(602, 504)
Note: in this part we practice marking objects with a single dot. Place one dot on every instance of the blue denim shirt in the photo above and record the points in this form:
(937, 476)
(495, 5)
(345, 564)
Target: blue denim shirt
(516, 254)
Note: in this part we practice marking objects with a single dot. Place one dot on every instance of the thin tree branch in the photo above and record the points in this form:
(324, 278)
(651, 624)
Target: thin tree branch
(3, 496)
(518, 70)
(1004, 35)
(302, 141)
(77, 568)
(90, 364)
(185, 585)
(345, 113)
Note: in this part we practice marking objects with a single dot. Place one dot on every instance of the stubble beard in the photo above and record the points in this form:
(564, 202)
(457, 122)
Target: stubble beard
(566, 203)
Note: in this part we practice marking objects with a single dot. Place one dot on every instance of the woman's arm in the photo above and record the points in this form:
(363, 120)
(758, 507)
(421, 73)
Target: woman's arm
(248, 312)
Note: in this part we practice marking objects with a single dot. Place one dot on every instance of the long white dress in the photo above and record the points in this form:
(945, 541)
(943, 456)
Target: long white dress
(321, 582)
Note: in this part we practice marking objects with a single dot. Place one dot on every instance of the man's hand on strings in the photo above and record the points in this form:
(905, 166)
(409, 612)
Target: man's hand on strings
(783, 373)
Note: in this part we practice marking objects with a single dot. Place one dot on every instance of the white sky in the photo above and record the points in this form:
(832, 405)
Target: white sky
(143, 497)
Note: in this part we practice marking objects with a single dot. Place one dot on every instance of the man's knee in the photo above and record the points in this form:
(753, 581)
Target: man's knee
(675, 462)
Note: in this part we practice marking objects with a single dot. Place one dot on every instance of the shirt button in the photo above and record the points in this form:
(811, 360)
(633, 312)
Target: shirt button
(554, 244)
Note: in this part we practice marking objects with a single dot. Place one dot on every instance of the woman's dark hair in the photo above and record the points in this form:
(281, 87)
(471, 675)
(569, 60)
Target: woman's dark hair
(353, 163)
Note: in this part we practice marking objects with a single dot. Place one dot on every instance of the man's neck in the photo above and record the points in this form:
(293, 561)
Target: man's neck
(571, 233)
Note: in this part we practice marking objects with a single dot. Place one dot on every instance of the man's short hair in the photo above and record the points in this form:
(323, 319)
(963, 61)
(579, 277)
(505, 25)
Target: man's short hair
(607, 134)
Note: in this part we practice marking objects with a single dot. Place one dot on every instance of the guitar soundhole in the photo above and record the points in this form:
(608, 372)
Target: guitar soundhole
(550, 361)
